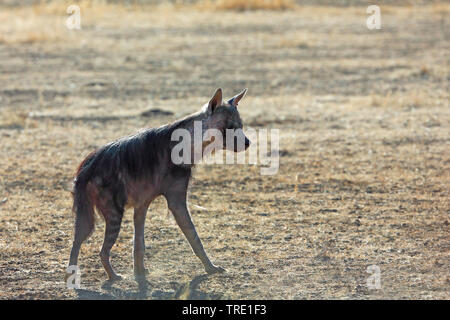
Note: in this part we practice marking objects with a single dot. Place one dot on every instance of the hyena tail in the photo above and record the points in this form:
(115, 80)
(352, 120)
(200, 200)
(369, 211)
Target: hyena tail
(83, 204)
(84, 219)
(83, 208)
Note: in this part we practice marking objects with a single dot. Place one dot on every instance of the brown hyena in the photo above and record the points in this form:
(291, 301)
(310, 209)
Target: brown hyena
(133, 171)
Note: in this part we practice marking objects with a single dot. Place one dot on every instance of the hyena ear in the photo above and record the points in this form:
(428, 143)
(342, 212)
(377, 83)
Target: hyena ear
(235, 100)
(215, 101)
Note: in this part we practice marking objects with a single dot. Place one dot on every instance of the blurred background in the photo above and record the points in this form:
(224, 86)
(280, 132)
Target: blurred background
(363, 116)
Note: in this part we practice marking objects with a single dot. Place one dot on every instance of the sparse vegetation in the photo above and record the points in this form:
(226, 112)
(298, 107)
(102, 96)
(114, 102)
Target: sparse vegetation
(244, 5)
(364, 133)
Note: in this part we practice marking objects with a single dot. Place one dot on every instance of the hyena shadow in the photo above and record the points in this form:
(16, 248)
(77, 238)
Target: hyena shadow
(85, 294)
(182, 291)
(190, 290)
(110, 291)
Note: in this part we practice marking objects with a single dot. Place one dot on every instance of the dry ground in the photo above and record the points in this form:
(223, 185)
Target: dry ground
(364, 148)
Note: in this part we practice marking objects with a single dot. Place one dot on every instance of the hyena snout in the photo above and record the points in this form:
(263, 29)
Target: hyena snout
(247, 143)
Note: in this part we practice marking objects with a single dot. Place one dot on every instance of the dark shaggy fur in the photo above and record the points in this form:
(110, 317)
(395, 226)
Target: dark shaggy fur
(139, 156)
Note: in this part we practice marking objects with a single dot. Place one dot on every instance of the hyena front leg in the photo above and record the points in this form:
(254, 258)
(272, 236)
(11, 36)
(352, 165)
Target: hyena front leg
(177, 204)
(139, 243)
(113, 217)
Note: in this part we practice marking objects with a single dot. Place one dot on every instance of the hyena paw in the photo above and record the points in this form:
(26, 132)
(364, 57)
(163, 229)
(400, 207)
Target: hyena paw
(115, 277)
(215, 269)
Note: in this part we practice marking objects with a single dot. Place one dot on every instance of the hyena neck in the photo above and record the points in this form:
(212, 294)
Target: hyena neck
(195, 124)
(189, 121)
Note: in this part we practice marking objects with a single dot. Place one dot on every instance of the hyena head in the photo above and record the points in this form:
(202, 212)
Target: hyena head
(223, 116)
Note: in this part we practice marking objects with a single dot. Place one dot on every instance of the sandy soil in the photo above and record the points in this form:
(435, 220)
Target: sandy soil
(364, 149)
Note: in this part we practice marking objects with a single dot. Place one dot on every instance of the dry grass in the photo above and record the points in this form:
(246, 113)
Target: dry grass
(23, 26)
(408, 100)
(246, 5)
(441, 8)
(12, 120)
(94, 7)
(45, 22)
(364, 169)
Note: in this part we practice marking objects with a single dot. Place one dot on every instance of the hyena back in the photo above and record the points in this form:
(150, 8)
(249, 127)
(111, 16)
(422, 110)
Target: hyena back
(132, 172)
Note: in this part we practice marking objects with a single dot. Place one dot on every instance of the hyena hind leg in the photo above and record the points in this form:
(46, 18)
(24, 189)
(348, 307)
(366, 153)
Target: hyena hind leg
(84, 225)
(113, 218)
(83, 229)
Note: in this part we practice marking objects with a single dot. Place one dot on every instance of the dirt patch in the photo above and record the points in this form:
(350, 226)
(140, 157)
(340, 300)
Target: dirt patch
(364, 151)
